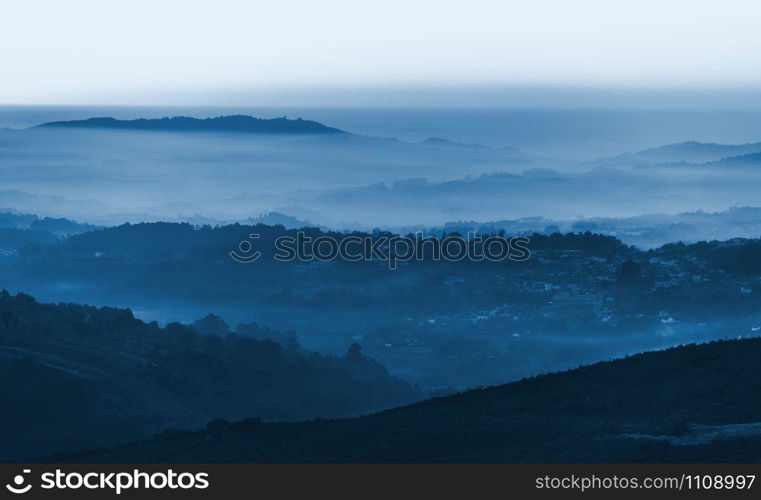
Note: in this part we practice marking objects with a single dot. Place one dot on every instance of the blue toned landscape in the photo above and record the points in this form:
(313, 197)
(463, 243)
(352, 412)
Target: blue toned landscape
(125, 314)
(416, 232)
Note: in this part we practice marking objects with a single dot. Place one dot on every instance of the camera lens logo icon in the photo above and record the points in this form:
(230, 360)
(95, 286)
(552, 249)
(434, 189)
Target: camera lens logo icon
(17, 486)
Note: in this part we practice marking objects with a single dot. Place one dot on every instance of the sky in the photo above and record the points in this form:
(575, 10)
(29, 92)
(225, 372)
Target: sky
(257, 53)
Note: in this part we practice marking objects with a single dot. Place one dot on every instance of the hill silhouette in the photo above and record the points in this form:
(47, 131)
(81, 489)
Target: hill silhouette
(231, 123)
(81, 376)
(694, 151)
(750, 160)
(683, 152)
(691, 403)
(463, 313)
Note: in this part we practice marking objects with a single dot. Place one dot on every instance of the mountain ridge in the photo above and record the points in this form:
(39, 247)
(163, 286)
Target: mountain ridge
(658, 406)
(81, 374)
(686, 152)
(227, 123)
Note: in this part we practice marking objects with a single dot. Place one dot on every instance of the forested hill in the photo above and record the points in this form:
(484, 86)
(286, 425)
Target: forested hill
(691, 403)
(79, 376)
(232, 123)
(578, 299)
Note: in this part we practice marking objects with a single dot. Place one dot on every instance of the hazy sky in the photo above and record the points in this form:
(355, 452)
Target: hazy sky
(82, 51)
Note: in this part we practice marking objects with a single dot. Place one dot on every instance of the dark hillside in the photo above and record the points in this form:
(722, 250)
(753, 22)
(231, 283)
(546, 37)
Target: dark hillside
(692, 403)
(78, 376)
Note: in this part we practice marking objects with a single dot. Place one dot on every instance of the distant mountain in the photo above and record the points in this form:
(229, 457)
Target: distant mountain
(694, 151)
(696, 403)
(232, 123)
(644, 231)
(446, 144)
(683, 152)
(750, 159)
(13, 200)
(278, 218)
(19, 229)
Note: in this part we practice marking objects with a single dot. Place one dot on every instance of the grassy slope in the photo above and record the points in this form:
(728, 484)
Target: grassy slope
(578, 415)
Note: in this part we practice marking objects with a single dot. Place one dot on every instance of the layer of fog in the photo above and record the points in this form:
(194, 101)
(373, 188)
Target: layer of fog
(109, 177)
